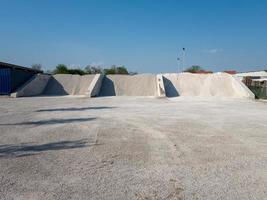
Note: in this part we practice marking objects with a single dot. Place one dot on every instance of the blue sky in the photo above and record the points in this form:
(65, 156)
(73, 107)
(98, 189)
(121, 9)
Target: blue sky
(144, 35)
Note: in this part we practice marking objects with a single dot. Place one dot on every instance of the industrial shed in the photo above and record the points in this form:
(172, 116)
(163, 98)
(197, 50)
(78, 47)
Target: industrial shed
(13, 76)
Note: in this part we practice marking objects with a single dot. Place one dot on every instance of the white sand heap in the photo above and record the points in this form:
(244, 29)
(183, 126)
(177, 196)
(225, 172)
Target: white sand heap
(67, 84)
(127, 85)
(170, 85)
(205, 85)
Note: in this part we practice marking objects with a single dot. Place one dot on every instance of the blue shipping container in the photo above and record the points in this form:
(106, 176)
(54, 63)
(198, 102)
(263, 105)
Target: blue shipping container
(5, 81)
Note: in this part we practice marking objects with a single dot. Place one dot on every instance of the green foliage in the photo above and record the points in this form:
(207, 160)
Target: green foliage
(122, 70)
(194, 69)
(61, 69)
(90, 69)
(76, 71)
(116, 70)
(36, 66)
(111, 70)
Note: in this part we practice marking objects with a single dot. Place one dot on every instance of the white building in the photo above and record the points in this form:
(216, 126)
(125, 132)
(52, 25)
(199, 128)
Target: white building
(253, 75)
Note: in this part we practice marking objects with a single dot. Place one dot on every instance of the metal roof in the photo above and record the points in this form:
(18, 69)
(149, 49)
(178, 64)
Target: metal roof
(8, 65)
(260, 79)
(262, 73)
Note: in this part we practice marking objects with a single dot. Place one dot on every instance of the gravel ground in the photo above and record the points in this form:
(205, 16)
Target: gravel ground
(132, 148)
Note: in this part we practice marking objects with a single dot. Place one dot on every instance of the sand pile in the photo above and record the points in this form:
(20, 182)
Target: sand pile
(126, 85)
(67, 84)
(204, 85)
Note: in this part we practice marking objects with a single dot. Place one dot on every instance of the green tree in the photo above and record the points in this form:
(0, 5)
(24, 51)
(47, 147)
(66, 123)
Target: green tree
(76, 71)
(122, 70)
(91, 69)
(87, 69)
(116, 70)
(111, 70)
(61, 69)
(194, 69)
(36, 66)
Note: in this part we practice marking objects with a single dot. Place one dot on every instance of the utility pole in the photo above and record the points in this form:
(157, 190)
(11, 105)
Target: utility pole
(178, 59)
(183, 59)
(181, 62)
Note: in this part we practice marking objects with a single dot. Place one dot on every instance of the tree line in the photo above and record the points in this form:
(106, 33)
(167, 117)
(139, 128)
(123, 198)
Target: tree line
(89, 69)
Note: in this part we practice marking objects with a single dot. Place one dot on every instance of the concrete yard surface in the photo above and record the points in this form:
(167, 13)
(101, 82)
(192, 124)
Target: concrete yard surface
(133, 148)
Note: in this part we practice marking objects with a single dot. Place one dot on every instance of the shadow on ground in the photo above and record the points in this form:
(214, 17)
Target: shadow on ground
(27, 149)
(74, 109)
(51, 121)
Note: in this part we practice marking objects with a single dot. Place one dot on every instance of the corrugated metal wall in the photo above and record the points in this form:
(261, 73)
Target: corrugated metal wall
(259, 90)
(19, 77)
(5, 81)
(11, 79)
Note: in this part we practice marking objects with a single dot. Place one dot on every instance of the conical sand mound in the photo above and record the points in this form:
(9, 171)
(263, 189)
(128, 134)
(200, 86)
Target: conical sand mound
(67, 84)
(126, 85)
(205, 85)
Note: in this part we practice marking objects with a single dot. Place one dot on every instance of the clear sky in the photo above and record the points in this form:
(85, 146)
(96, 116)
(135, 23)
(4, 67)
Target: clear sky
(144, 35)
